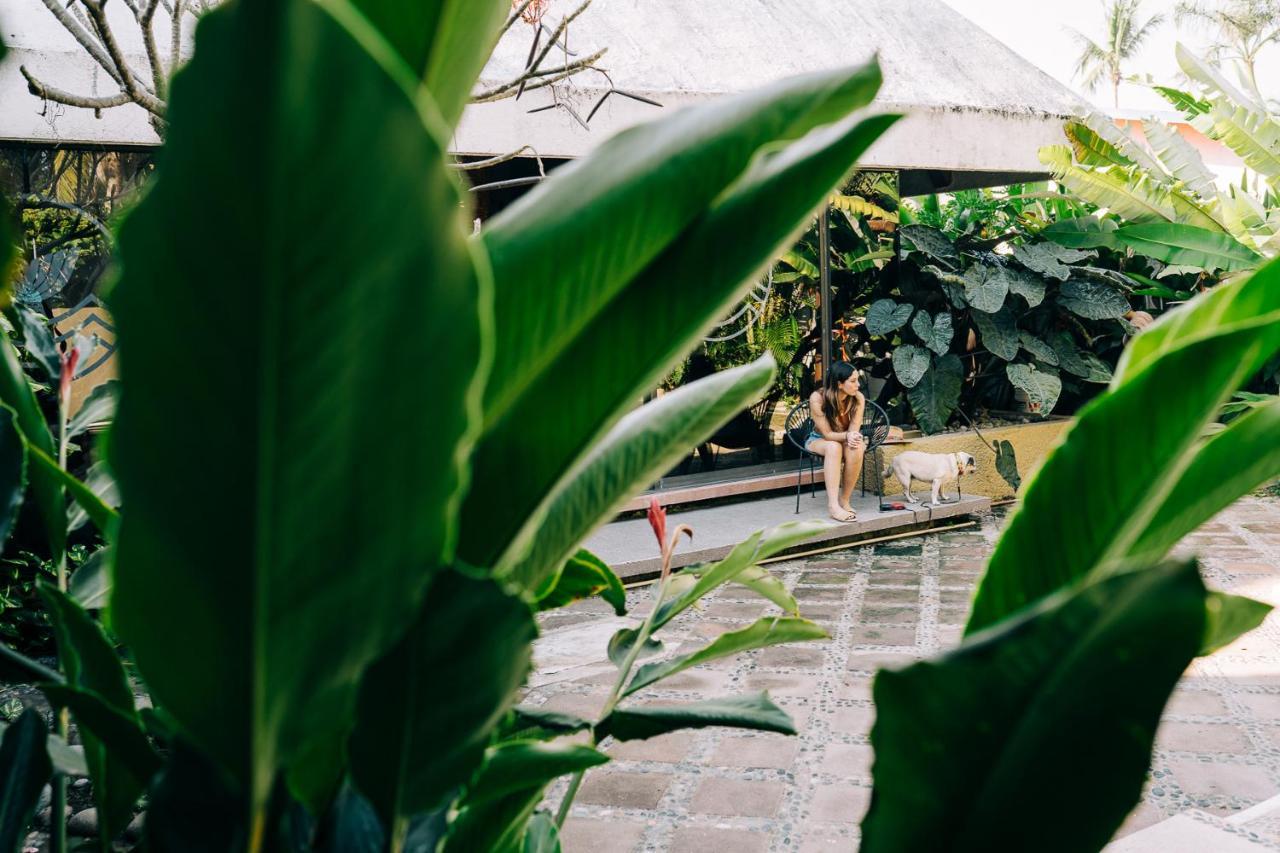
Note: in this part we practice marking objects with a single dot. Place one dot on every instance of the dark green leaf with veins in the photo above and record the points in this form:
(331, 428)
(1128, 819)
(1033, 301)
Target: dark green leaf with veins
(934, 398)
(910, 363)
(1042, 388)
(1093, 299)
(998, 332)
(985, 287)
(936, 332)
(1038, 348)
(886, 316)
(1050, 259)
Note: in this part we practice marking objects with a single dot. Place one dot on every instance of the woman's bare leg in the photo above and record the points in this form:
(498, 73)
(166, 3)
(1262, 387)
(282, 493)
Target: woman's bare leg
(852, 467)
(831, 453)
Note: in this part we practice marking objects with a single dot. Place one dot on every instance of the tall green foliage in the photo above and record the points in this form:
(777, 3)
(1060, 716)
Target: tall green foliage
(1080, 627)
(1171, 207)
(299, 590)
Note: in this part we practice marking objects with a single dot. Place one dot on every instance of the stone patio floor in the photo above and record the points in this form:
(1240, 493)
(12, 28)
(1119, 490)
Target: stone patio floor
(1218, 748)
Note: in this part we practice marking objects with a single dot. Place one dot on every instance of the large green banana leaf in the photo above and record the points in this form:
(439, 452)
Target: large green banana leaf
(1065, 697)
(444, 42)
(565, 250)
(1176, 243)
(281, 540)
(1137, 445)
(1229, 464)
(427, 708)
(637, 451)
(1180, 158)
(595, 367)
(90, 662)
(1138, 200)
(1234, 118)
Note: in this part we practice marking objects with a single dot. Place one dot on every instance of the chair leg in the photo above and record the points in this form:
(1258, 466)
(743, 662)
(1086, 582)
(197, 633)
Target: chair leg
(799, 480)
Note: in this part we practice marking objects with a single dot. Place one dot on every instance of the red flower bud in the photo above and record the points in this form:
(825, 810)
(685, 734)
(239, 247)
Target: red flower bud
(68, 358)
(658, 521)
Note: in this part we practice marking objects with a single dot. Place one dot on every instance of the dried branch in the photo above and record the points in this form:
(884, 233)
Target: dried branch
(48, 93)
(153, 53)
(559, 31)
(175, 44)
(522, 83)
(516, 15)
(500, 159)
(82, 36)
(137, 91)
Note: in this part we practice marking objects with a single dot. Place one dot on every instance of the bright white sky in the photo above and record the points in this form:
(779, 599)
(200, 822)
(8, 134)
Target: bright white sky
(1040, 30)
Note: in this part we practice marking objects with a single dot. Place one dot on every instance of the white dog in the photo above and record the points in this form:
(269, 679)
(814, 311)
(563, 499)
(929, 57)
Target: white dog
(934, 467)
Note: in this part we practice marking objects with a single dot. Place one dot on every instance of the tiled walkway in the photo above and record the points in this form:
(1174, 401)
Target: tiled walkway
(716, 789)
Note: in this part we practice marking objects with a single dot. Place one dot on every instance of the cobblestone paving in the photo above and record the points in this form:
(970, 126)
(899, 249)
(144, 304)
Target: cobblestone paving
(1218, 749)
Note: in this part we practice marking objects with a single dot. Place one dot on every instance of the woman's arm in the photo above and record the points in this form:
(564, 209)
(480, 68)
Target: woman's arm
(820, 423)
(855, 422)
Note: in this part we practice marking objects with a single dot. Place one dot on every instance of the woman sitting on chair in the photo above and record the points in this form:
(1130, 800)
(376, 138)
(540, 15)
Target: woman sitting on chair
(836, 437)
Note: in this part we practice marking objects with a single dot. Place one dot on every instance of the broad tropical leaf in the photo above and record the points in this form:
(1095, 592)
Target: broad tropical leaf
(1092, 299)
(1029, 286)
(516, 765)
(1137, 200)
(322, 510)
(1050, 259)
(90, 584)
(1007, 463)
(103, 517)
(1041, 387)
(750, 711)
(910, 363)
(24, 770)
(1180, 158)
(759, 581)
(966, 744)
(643, 445)
(985, 287)
(90, 663)
(1225, 466)
(1187, 245)
(1082, 232)
(445, 43)
(1227, 617)
(934, 397)
(652, 299)
(1092, 150)
(886, 316)
(936, 331)
(409, 750)
(46, 489)
(1080, 362)
(582, 576)
(13, 471)
(760, 545)
(1150, 403)
(98, 407)
(1038, 348)
(765, 632)
(932, 242)
(999, 334)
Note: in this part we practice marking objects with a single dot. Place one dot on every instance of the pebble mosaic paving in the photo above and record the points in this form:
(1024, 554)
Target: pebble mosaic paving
(1218, 749)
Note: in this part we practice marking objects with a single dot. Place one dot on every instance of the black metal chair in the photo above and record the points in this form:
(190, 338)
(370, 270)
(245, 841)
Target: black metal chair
(874, 429)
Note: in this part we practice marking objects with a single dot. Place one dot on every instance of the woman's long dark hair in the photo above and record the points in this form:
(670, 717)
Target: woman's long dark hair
(839, 372)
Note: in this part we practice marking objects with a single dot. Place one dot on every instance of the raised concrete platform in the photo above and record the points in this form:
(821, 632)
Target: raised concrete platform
(628, 546)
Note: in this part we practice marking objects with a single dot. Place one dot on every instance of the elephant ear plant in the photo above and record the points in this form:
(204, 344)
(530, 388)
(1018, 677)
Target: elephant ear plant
(328, 579)
(1081, 625)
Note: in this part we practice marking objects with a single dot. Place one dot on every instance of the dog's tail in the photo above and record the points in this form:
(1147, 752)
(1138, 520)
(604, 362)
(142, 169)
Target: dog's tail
(888, 470)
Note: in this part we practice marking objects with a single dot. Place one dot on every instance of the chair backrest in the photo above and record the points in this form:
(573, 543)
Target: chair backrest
(875, 425)
(798, 424)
